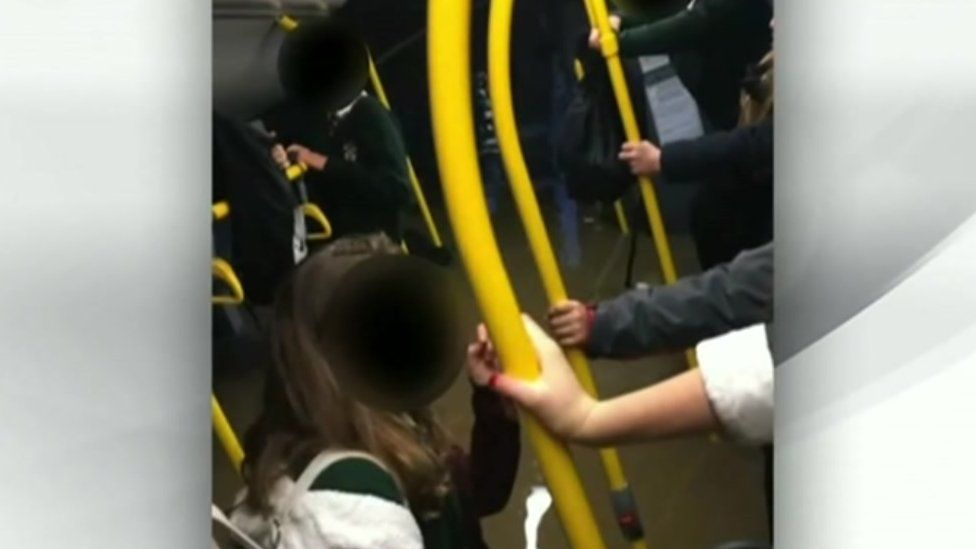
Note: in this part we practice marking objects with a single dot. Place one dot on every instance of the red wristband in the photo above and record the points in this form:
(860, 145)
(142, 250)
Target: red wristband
(493, 380)
(590, 319)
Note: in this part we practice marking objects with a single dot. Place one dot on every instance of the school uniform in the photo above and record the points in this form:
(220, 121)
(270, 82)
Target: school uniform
(365, 186)
(351, 499)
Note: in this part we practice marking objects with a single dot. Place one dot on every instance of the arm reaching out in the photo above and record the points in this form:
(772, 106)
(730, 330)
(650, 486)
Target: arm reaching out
(681, 405)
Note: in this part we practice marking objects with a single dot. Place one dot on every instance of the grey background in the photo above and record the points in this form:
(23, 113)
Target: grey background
(875, 335)
(876, 106)
(104, 298)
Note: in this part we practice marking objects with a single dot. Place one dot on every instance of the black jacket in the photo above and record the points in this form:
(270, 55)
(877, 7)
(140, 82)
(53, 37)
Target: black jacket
(728, 297)
(745, 154)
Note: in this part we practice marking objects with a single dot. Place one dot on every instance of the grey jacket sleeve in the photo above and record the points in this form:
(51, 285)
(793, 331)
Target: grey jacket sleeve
(674, 317)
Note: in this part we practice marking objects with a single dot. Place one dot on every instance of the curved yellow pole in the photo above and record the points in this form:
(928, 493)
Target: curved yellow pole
(449, 37)
(225, 434)
(221, 270)
(418, 191)
(499, 80)
(611, 51)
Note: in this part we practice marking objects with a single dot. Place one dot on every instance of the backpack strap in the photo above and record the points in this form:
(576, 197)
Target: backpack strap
(320, 464)
(218, 516)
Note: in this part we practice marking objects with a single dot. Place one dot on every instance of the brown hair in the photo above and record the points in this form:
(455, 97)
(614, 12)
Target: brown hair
(306, 411)
(758, 90)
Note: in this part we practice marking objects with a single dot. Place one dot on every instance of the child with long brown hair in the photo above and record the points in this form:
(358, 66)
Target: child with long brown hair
(325, 469)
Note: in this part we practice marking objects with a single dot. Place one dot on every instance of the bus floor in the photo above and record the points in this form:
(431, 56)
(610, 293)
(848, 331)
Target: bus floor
(693, 493)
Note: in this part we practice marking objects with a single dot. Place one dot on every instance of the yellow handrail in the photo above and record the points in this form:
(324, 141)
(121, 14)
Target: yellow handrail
(221, 270)
(295, 171)
(449, 23)
(506, 128)
(225, 434)
(611, 52)
(316, 214)
(374, 77)
(220, 210)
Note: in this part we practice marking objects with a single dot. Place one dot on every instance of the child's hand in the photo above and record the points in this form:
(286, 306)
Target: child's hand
(280, 156)
(570, 323)
(483, 365)
(482, 359)
(644, 158)
(310, 158)
(555, 397)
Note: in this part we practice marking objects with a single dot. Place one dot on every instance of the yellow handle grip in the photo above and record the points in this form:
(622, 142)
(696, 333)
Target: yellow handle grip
(220, 210)
(295, 171)
(315, 213)
(222, 271)
(225, 434)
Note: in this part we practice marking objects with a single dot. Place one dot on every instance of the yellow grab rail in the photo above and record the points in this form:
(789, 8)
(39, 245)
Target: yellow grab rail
(225, 434)
(220, 210)
(295, 171)
(316, 214)
(221, 270)
(374, 78)
(506, 128)
(610, 48)
(618, 208)
(449, 23)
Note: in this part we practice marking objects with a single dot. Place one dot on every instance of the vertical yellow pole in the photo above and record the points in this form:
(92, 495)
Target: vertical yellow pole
(611, 51)
(226, 434)
(452, 111)
(374, 78)
(499, 80)
(618, 208)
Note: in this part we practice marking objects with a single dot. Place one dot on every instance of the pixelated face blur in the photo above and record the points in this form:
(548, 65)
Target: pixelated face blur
(392, 335)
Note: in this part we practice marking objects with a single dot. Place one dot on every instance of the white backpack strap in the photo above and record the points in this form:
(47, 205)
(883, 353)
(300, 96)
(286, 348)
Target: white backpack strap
(322, 462)
(240, 537)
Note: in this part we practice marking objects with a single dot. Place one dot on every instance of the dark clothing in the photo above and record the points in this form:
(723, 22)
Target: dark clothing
(695, 308)
(727, 35)
(728, 218)
(745, 153)
(484, 477)
(734, 211)
(267, 236)
(365, 185)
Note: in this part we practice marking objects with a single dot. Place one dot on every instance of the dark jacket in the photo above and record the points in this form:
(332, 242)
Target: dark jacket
(485, 475)
(725, 298)
(726, 35)
(365, 185)
(734, 210)
(745, 154)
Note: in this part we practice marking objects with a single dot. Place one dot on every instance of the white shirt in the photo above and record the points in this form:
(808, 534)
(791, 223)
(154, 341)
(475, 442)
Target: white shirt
(737, 369)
